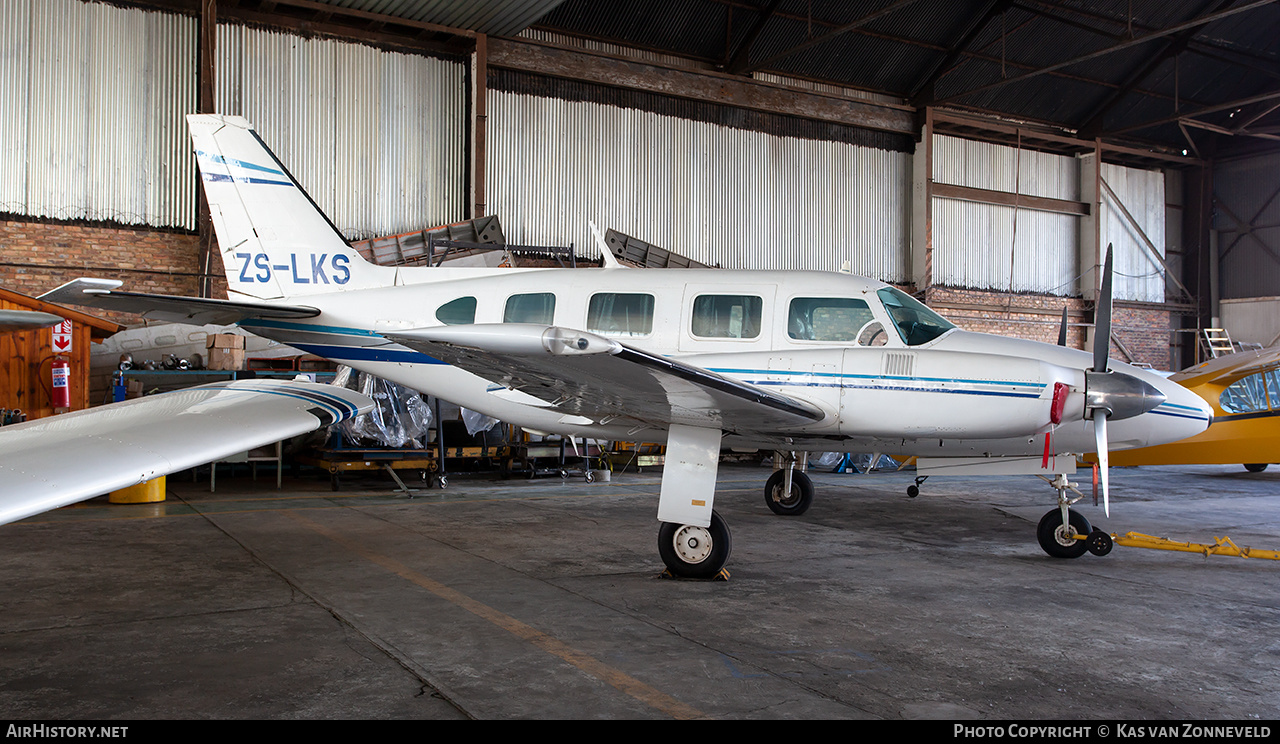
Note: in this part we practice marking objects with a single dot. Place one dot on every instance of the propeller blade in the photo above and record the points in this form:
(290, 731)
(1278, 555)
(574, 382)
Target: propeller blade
(1102, 318)
(1062, 329)
(1100, 438)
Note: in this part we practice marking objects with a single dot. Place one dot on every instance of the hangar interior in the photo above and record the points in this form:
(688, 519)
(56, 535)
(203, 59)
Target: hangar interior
(981, 156)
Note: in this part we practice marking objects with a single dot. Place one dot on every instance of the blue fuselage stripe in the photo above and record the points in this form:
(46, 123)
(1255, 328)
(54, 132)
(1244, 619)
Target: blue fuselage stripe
(342, 353)
(943, 385)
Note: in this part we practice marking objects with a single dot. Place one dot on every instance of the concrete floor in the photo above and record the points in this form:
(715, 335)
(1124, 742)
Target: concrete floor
(541, 599)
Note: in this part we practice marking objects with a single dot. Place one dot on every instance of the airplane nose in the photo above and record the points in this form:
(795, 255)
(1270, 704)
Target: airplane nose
(1187, 405)
(1120, 395)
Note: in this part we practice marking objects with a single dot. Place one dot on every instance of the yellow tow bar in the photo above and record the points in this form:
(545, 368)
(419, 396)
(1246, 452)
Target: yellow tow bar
(1222, 546)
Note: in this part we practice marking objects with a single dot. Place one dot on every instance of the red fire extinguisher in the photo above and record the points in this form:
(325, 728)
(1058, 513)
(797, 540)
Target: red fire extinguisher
(60, 395)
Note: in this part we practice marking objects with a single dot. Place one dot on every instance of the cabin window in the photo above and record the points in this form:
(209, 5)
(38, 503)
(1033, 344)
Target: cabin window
(726, 316)
(827, 318)
(872, 334)
(615, 314)
(1248, 394)
(461, 311)
(916, 323)
(539, 307)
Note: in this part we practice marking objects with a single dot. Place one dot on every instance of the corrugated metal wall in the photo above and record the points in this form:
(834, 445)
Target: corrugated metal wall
(1138, 275)
(1245, 194)
(91, 105)
(994, 247)
(979, 246)
(718, 195)
(378, 139)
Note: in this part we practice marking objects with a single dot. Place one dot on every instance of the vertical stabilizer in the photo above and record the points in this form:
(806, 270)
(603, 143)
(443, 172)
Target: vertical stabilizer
(275, 242)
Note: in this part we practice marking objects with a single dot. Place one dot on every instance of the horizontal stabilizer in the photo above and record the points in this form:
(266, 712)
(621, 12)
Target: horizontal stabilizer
(102, 294)
(589, 375)
(59, 460)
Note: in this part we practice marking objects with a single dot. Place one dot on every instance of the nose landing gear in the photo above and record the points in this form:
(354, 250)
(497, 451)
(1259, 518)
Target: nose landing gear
(1064, 533)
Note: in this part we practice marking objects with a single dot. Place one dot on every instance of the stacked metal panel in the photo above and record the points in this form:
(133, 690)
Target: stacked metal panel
(718, 195)
(92, 99)
(379, 139)
(1000, 248)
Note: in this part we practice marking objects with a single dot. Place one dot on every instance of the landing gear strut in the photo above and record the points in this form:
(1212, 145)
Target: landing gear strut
(789, 491)
(692, 552)
(1064, 533)
(1059, 540)
(791, 504)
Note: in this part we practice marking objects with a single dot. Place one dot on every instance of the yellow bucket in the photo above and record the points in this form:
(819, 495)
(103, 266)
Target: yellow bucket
(144, 493)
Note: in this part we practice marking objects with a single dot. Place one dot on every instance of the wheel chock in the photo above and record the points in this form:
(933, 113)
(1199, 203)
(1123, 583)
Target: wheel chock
(721, 575)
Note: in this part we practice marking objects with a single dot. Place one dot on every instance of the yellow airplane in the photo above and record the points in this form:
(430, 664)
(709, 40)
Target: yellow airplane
(1244, 391)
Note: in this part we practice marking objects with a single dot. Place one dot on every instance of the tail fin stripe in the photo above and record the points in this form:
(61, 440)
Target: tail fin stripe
(211, 173)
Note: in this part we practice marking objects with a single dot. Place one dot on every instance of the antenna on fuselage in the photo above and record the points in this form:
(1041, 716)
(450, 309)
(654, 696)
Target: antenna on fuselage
(608, 260)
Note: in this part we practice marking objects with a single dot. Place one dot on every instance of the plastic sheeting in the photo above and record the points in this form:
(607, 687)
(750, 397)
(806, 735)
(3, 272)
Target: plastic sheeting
(400, 417)
(477, 422)
(839, 462)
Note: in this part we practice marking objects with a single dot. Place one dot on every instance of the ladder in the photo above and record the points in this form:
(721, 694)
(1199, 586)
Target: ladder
(1215, 342)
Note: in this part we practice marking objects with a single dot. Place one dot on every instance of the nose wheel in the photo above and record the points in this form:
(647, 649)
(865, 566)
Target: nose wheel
(693, 552)
(791, 504)
(1058, 539)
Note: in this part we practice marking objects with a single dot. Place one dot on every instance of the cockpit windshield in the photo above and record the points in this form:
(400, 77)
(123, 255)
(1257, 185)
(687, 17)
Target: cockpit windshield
(916, 323)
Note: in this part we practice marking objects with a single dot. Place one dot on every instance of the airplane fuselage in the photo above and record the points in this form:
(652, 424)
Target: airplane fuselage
(833, 340)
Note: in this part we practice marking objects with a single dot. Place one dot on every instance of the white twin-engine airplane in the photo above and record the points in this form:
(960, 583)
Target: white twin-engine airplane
(699, 359)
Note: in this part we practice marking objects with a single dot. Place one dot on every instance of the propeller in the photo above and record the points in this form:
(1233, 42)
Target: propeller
(1110, 395)
(1062, 329)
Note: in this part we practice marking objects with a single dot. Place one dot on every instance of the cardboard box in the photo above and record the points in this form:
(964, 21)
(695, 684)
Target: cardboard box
(224, 359)
(224, 341)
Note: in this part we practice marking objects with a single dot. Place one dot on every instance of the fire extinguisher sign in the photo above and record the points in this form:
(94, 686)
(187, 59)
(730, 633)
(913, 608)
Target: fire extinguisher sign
(62, 338)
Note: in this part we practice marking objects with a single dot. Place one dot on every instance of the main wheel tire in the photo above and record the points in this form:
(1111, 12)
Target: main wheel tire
(793, 504)
(1054, 540)
(1255, 467)
(692, 552)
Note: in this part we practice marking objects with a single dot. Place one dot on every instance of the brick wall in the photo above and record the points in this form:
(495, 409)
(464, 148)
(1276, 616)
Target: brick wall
(1144, 331)
(38, 256)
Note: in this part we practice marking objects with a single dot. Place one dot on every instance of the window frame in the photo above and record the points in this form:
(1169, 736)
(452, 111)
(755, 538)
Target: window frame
(652, 313)
(756, 322)
(475, 305)
(506, 307)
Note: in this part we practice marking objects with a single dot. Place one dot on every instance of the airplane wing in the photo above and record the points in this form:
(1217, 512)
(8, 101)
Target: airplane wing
(55, 461)
(1225, 370)
(100, 293)
(589, 375)
(26, 320)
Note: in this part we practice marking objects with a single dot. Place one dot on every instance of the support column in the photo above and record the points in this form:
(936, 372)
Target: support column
(922, 208)
(1092, 253)
(479, 125)
(205, 81)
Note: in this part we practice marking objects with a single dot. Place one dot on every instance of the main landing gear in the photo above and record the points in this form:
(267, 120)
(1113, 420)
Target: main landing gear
(1064, 533)
(692, 552)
